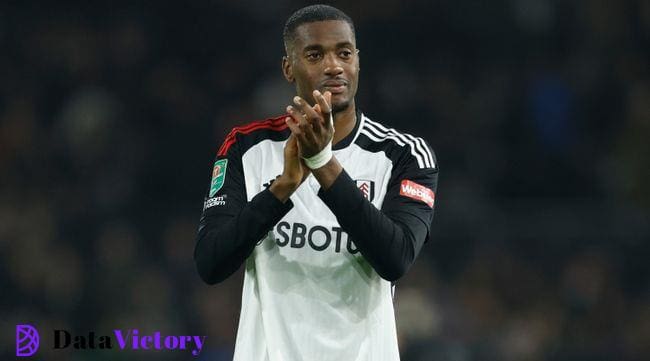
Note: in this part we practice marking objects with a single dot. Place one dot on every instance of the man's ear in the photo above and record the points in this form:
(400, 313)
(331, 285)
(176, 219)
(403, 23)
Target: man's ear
(358, 60)
(287, 70)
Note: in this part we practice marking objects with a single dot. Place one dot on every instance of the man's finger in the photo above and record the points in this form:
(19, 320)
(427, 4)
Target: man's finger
(319, 127)
(294, 126)
(296, 115)
(328, 97)
(323, 101)
(301, 127)
(308, 132)
(310, 113)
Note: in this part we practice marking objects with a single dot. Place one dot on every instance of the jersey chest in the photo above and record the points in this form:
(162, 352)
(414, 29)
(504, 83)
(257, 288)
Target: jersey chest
(310, 227)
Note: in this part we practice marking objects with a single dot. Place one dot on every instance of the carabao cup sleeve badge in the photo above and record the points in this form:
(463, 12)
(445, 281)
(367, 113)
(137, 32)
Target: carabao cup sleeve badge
(218, 176)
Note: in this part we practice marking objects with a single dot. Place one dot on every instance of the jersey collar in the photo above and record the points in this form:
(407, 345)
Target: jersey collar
(350, 138)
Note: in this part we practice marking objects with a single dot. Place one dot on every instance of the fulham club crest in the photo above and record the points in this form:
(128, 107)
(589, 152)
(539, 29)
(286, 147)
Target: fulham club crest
(367, 188)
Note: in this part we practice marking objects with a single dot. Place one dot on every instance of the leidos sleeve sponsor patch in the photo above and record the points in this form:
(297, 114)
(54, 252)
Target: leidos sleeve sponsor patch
(416, 191)
(218, 176)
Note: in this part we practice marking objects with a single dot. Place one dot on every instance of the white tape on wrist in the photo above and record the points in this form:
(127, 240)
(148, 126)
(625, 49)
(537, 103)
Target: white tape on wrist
(321, 158)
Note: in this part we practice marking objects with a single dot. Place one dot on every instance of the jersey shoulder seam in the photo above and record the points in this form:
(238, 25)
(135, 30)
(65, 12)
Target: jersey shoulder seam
(416, 146)
(270, 126)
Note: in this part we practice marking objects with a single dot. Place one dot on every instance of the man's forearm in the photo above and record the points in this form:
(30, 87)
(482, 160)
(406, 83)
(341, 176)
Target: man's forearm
(389, 244)
(224, 241)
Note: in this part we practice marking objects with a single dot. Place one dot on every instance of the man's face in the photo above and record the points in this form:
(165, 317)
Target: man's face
(324, 57)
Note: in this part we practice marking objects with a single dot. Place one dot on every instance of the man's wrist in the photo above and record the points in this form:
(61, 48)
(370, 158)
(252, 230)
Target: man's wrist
(321, 158)
(327, 174)
(283, 188)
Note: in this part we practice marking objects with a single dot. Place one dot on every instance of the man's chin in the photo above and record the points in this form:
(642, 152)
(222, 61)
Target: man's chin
(338, 107)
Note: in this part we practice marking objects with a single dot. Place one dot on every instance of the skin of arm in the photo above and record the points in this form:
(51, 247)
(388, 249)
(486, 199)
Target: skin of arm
(295, 172)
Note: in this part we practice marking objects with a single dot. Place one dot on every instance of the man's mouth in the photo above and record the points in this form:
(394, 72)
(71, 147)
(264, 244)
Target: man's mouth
(334, 86)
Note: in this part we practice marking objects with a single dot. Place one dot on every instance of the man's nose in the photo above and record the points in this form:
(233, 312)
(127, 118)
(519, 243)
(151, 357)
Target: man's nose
(332, 65)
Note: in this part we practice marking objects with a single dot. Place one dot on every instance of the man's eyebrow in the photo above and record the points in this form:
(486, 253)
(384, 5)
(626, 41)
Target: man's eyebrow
(342, 44)
(312, 47)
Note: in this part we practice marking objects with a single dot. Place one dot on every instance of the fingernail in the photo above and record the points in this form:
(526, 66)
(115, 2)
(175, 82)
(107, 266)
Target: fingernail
(289, 108)
(316, 93)
(296, 99)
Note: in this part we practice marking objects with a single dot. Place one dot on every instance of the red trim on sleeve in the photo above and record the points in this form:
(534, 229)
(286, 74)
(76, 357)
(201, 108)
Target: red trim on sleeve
(277, 124)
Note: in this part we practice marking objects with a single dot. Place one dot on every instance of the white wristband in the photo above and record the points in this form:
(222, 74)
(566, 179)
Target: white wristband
(321, 158)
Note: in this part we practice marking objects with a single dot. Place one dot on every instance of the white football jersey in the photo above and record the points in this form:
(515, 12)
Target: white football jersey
(308, 293)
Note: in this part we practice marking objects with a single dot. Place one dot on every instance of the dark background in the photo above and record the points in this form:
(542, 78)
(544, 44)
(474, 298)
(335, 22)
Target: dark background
(539, 112)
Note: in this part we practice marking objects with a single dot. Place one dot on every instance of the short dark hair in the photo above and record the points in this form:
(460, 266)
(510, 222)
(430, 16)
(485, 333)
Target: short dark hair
(310, 14)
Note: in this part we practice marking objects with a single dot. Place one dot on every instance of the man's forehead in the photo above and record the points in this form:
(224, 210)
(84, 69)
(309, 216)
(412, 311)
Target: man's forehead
(327, 32)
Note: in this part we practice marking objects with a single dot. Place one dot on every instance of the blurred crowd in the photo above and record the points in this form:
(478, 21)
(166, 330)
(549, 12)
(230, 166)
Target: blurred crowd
(538, 110)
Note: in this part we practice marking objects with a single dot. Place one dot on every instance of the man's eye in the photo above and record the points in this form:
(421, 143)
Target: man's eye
(345, 54)
(313, 56)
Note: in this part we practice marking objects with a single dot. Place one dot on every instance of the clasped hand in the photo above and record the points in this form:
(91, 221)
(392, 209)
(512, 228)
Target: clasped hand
(313, 127)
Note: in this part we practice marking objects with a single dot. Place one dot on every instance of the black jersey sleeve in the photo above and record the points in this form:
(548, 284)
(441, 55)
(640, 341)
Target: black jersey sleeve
(391, 238)
(230, 226)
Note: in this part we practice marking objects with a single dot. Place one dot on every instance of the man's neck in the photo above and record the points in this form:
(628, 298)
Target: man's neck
(344, 122)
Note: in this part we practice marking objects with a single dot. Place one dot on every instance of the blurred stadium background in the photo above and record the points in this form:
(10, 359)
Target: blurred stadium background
(539, 111)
